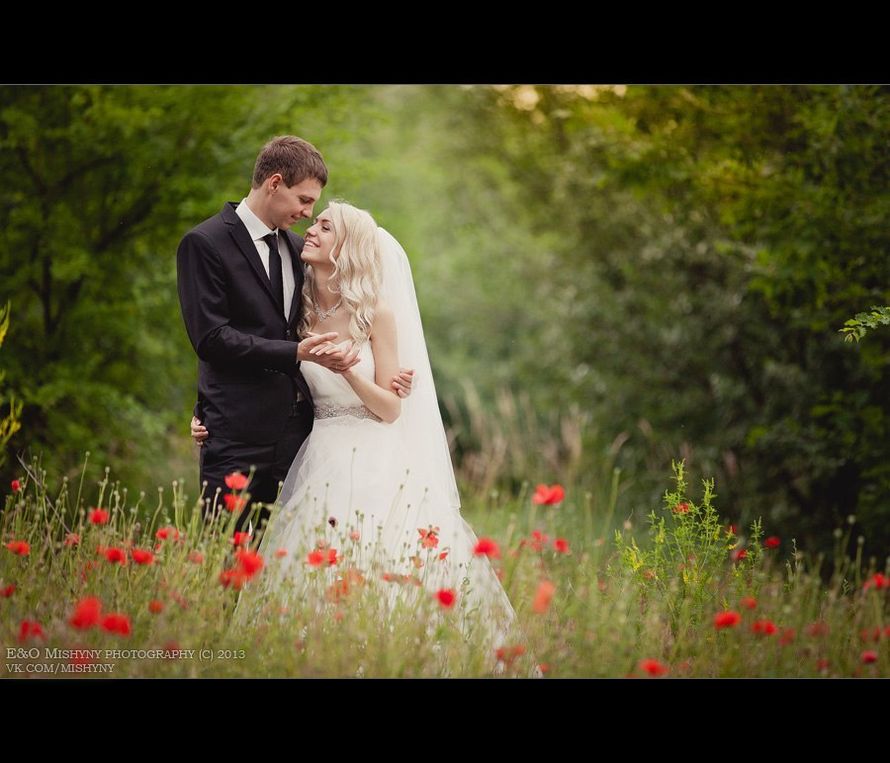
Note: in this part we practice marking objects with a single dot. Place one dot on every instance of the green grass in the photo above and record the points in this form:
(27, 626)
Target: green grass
(610, 597)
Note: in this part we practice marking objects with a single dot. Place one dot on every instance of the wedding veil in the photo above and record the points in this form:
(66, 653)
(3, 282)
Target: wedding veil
(420, 423)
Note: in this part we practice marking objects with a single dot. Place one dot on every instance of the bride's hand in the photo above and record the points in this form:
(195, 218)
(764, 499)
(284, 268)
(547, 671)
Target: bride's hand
(199, 431)
(319, 349)
(313, 342)
(349, 359)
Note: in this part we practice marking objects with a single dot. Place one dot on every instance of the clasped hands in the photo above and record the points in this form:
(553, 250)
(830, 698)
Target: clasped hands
(320, 348)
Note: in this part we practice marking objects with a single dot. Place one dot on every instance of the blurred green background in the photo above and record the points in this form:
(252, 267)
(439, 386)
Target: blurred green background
(609, 277)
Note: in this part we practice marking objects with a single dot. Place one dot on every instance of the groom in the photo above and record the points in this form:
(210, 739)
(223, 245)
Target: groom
(240, 278)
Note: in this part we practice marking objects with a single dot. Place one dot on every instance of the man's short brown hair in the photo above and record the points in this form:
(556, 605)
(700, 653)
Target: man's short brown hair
(293, 157)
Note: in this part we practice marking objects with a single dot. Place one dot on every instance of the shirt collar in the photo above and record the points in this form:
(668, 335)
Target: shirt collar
(255, 227)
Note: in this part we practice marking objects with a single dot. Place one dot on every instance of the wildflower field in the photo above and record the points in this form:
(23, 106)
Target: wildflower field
(95, 583)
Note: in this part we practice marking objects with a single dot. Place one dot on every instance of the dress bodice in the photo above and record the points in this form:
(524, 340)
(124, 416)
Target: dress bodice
(330, 390)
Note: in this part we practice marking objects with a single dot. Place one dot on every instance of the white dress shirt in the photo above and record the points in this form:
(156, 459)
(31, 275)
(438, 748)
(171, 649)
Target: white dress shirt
(257, 229)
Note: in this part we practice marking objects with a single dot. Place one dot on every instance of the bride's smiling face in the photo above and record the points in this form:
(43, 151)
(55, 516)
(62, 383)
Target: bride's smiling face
(319, 241)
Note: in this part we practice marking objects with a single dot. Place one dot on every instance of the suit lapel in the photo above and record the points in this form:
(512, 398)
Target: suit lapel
(248, 248)
(295, 244)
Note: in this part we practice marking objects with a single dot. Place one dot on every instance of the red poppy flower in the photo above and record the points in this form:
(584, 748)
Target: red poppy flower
(72, 539)
(166, 532)
(141, 556)
(8, 591)
(86, 613)
(548, 495)
(739, 554)
(772, 542)
(232, 577)
(115, 555)
(316, 558)
(788, 636)
(117, 623)
(443, 556)
(561, 545)
(250, 562)
(681, 508)
(429, 538)
(822, 664)
(878, 580)
(19, 547)
(16, 486)
(240, 539)
(99, 516)
(653, 667)
(543, 597)
(196, 557)
(281, 552)
(30, 629)
(487, 547)
(733, 530)
(155, 606)
(446, 597)
(749, 602)
(507, 654)
(764, 627)
(234, 502)
(727, 619)
(355, 535)
(869, 657)
(538, 540)
(332, 557)
(236, 481)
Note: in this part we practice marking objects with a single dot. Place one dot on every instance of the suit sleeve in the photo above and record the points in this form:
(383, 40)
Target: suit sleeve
(203, 297)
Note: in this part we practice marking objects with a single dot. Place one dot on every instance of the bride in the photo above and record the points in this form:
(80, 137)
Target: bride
(374, 479)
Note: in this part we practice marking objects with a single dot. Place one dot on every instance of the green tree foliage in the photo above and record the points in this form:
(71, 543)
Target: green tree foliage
(858, 326)
(684, 256)
(9, 423)
(794, 182)
(99, 184)
(641, 274)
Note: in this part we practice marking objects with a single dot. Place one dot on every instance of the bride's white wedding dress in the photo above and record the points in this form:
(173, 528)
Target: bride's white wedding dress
(383, 496)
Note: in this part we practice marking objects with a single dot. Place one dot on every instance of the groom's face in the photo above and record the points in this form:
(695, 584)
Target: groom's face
(290, 204)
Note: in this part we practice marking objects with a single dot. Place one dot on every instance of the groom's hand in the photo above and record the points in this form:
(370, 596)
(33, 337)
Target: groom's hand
(319, 348)
(199, 431)
(401, 384)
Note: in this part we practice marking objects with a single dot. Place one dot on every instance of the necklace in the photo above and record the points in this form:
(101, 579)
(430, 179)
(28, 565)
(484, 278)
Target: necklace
(322, 314)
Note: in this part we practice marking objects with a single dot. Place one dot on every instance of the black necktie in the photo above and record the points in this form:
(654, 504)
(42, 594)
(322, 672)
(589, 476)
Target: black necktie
(275, 276)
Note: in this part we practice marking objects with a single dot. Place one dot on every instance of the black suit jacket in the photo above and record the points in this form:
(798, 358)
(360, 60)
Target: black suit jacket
(248, 373)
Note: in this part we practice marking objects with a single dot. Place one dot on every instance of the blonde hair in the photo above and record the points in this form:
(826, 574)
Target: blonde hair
(356, 276)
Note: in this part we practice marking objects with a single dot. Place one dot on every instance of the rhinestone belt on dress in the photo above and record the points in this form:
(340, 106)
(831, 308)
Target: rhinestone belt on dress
(359, 411)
